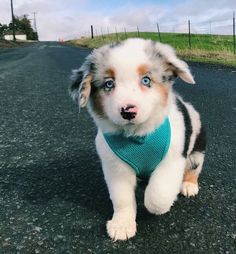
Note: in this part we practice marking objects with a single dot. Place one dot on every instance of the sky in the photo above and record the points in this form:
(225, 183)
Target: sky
(68, 19)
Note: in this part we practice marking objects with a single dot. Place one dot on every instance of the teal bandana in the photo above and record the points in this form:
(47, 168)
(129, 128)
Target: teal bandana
(145, 153)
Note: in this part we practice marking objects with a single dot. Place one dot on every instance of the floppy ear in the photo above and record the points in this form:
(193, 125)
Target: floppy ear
(174, 64)
(80, 87)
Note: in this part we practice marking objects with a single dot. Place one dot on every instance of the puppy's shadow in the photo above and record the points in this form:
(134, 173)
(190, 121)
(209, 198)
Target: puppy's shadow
(77, 180)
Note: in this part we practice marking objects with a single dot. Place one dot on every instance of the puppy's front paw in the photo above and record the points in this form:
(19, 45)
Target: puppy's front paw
(156, 207)
(158, 201)
(189, 189)
(119, 229)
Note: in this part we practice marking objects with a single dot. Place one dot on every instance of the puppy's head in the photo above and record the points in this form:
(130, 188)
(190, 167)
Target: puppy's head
(128, 85)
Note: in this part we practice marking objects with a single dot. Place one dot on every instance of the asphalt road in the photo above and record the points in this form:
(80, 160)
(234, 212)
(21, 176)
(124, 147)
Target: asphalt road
(53, 198)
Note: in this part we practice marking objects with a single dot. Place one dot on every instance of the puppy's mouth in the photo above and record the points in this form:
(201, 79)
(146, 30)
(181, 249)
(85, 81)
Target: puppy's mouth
(122, 123)
(132, 122)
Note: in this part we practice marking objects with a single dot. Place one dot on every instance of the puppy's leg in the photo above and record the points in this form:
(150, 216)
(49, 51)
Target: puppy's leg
(164, 185)
(192, 171)
(121, 182)
(121, 188)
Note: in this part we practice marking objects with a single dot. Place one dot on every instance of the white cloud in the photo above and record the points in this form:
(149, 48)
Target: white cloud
(71, 18)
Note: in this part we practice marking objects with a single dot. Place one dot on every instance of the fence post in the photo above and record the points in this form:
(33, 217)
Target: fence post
(138, 31)
(116, 34)
(92, 36)
(234, 33)
(158, 30)
(189, 35)
(102, 33)
(125, 33)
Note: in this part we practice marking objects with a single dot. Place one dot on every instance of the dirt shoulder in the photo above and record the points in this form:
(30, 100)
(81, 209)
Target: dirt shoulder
(12, 44)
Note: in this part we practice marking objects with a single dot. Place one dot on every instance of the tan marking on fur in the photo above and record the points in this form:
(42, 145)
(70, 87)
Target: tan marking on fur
(143, 69)
(190, 176)
(110, 73)
(96, 98)
(85, 91)
(170, 67)
(162, 89)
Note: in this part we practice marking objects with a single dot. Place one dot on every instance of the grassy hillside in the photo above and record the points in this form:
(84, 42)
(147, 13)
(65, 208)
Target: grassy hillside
(204, 48)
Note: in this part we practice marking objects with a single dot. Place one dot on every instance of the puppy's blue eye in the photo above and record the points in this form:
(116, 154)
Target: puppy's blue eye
(109, 85)
(146, 81)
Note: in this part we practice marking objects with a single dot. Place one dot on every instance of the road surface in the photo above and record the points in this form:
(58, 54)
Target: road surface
(53, 198)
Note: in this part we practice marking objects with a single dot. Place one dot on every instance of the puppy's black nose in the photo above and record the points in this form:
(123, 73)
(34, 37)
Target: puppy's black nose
(129, 112)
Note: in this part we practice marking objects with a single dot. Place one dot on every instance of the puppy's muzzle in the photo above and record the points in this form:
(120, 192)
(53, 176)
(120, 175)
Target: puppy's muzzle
(129, 112)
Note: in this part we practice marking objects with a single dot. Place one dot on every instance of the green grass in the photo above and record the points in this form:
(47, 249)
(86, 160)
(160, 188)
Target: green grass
(204, 48)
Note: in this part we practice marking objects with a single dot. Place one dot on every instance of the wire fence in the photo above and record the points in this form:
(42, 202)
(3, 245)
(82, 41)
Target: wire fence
(214, 35)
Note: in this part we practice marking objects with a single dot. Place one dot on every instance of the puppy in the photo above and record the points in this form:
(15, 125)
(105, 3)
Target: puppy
(145, 129)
